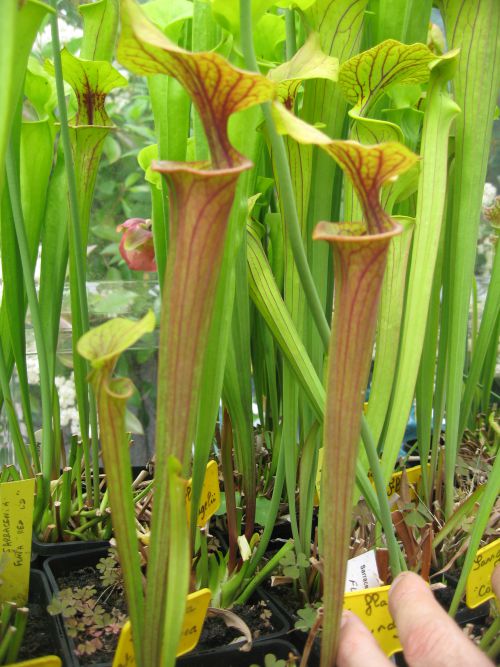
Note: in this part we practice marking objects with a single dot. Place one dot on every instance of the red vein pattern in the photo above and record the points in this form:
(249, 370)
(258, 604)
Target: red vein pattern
(364, 77)
(359, 265)
(368, 168)
(216, 87)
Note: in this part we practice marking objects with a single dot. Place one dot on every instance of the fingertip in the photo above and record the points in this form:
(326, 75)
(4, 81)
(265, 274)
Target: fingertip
(357, 646)
(425, 630)
(407, 584)
(495, 581)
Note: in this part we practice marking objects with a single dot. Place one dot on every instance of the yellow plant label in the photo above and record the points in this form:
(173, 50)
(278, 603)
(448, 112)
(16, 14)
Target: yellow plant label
(318, 477)
(210, 495)
(47, 661)
(478, 588)
(16, 525)
(194, 617)
(413, 475)
(372, 607)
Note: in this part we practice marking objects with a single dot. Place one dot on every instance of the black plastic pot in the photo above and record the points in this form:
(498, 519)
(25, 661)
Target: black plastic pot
(40, 594)
(40, 551)
(232, 657)
(58, 566)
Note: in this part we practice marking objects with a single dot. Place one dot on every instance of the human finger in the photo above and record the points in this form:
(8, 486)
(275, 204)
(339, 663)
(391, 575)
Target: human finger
(495, 581)
(430, 638)
(357, 646)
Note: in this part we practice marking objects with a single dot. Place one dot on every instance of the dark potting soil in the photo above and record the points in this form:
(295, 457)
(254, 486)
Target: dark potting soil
(109, 598)
(215, 633)
(38, 640)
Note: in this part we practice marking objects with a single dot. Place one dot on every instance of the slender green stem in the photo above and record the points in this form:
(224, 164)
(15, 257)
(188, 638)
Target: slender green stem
(77, 252)
(273, 513)
(266, 570)
(17, 438)
(286, 189)
(494, 649)
(385, 512)
(490, 634)
(291, 37)
(490, 495)
(481, 342)
(20, 622)
(29, 282)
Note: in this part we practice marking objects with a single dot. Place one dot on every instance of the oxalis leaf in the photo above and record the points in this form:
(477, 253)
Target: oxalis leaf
(216, 87)
(366, 76)
(91, 80)
(109, 340)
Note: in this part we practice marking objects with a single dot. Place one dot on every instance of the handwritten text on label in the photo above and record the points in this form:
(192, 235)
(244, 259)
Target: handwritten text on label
(372, 607)
(210, 495)
(16, 525)
(194, 617)
(478, 588)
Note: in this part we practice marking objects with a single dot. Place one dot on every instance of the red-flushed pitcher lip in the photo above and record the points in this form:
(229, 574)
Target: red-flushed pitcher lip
(202, 168)
(320, 233)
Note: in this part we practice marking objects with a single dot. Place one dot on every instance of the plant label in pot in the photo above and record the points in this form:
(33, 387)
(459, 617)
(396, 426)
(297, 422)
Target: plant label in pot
(196, 610)
(16, 515)
(479, 588)
(372, 607)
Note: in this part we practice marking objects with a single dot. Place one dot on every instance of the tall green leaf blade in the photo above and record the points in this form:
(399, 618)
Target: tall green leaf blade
(340, 25)
(19, 23)
(485, 338)
(474, 27)
(440, 113)
(389, 327)
(54, 258)
(404, 20)
(265, 294)
(100, 24)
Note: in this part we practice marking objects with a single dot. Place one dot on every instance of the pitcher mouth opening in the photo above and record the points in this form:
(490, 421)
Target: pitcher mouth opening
(324, 232)
(202, 168)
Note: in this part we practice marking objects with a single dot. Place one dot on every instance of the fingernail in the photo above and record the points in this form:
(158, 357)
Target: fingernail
(345, 618)
(397, 582)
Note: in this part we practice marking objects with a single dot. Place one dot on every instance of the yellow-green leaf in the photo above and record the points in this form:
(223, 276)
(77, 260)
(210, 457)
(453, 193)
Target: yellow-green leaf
(367, 75)
(216, 87)
(91, 80)
(310, 62)
(368, 167)
(109, 340)
(145, 158)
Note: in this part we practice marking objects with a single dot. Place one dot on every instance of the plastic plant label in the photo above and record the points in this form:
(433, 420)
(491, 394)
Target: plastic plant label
(413, 475)
(362, 572)
(194, 617)
(210, 495)
(478, 588)
(46, 661)
(318, 477)
(372, 607)
(16, 526)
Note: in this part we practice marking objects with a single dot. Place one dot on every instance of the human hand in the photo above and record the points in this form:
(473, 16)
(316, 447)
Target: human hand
(430, 638)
